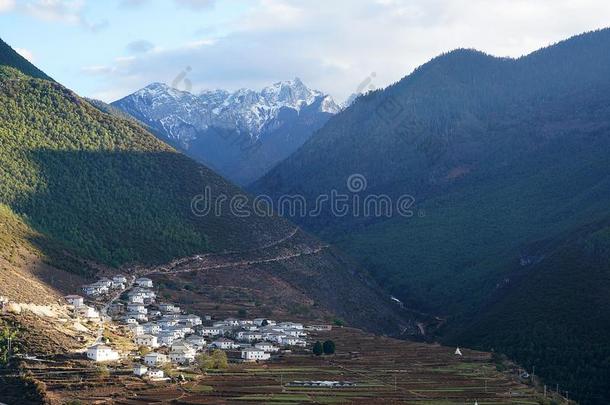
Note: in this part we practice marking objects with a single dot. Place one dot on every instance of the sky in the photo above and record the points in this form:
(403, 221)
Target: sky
(107, 49)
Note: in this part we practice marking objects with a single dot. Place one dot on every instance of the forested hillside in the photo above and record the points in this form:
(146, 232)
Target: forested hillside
(103, 186)
(80, 189)
(507, 161)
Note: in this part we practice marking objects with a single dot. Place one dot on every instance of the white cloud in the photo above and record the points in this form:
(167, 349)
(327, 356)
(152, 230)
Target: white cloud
(334, 46)
(26, 53)
(97, 70)
(64, 11)
(6, 5)
(195, 4)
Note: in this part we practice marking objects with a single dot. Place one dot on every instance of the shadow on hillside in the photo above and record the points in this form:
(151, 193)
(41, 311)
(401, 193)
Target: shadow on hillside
(121, 207)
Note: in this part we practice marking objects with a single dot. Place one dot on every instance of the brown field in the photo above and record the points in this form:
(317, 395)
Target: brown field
(384, 370)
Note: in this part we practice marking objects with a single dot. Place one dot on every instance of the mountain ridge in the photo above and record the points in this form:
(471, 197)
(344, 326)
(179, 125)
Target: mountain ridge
(242, 133)
(499, 155)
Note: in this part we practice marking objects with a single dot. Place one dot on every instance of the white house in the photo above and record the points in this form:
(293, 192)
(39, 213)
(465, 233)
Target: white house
(290, 325)
(140, 370)
(155, 374)
(135, 307)
(197, 341)
(166, 338)
(266, 346)
(153, 359)
(105, 282)
(144, 282)
(260, 321)
(167, 323)
(182, 356)
(130, 320)
(223, 343)
(181, 345)
(136, 329)
(119, 278)
(147, 340)
(136, 299)
(95, 289)
(75, 300)
(248, 336)
(254, 354)
(138, 316)
(191, 319)
(211, 331)
(88, 312)
(102, 353)
(151, 328)
(292, 341)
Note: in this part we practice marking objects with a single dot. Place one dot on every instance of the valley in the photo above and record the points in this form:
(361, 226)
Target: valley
(463, 256)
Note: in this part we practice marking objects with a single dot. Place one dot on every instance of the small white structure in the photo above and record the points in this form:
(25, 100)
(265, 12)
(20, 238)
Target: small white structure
(136, 329)
(140, 370)
(88, 312)
(151, 328)
(135, 307)
(254, 354)
(144, 282)
(130, 320)
(95, 289)
(292, 341)
(138, 316)
(223, 343)
(192, 320)
(266, 346)
(153, 359)
(155, 374)
(147, 340)
(182, 356)
(166, 338)
(75, 300)
(458, 352)
(246, 336)
(136, 299)
(101, 352)
(197, 341)
(119, 278)
(211, 331)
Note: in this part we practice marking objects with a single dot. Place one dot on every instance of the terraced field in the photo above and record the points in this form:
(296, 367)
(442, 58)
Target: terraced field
(384, 371)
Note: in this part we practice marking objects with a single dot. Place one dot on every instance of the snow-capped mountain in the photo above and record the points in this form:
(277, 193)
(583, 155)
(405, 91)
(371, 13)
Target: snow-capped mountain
(241, 134)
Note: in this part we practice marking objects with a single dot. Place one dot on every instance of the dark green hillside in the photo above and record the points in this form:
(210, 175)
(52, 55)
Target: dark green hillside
(103, 186)
(8, 57)
(566, 339)
(499, 154)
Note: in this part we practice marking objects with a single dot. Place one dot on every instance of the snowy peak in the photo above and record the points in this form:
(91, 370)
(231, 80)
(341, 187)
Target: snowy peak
(245, 110)
(220, 127)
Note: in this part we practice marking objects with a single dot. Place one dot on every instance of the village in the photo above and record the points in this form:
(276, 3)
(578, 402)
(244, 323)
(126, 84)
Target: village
(168, 338)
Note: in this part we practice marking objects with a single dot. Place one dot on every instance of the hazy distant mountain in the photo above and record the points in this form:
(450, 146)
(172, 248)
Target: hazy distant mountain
(508, 162)
(240, 134)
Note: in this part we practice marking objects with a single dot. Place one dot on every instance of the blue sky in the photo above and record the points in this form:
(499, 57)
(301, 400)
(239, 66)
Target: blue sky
(110, 48)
